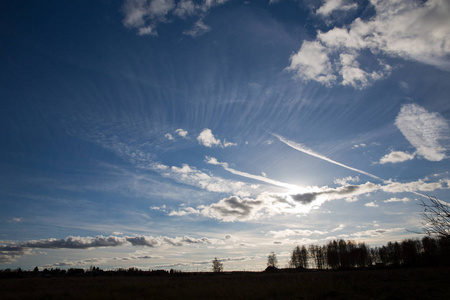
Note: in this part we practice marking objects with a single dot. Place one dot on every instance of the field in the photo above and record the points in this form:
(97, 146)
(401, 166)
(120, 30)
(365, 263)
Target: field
(426, 283)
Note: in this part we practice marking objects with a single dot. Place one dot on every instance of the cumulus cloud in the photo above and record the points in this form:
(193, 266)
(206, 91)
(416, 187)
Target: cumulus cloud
(404, 200)
(146, 15)
(72, 242)
(423, 130)
(207, 139)
(236, 208)
(168, 136)
(410, 29)
(9, 251)
(333, 5)
(396, 157)
(311, 62)
(232, 208)
(181, 132)
(371, 204)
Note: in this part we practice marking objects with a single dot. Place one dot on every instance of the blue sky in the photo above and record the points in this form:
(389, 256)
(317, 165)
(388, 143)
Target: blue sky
(162, 133)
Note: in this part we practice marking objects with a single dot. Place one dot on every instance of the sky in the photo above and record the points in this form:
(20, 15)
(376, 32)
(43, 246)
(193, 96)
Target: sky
(161, 134)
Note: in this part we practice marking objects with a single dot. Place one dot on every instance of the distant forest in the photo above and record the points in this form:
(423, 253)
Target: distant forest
(336, 255)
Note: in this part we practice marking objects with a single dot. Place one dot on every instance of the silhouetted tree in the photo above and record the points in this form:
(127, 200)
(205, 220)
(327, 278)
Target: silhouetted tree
(333, 254)
(299, 257)
(272, 260)
(436, 218)
(410, 251)
(217, 265)
(295, 258)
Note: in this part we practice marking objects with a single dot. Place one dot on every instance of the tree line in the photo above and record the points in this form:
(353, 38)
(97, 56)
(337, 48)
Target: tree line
(341, 254)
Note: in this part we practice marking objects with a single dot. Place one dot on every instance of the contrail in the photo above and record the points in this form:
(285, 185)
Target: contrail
(213, 161)
(305, 150)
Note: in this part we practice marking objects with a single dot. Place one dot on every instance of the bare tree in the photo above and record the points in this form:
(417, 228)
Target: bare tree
(217, 265)
(436, 218)
(272, 260)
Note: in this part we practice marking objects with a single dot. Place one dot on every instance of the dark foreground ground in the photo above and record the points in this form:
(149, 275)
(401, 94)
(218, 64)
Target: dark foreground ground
(431, 283)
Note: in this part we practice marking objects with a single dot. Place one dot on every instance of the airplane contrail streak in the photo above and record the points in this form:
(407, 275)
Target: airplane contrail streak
(301, 148)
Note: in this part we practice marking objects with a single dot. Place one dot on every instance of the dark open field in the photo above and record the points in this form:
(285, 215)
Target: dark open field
(431, 283)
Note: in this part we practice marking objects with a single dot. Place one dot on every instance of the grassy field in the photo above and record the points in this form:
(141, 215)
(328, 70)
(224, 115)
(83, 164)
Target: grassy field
(430, 283)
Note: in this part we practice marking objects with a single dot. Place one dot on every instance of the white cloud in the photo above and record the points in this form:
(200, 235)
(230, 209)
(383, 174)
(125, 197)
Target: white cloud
(235, 208)
(207, 139)
(352, 74)
(193, 177)
(181, 132)
(137, 12)
(332, 5)
(168, 136)
(145, 15)
(371, 204)
(404, 200)
(185, 8)
(148, 30)
(362, 145)
(346, 180)
(228, 144)
(339, 228)
(198, 29)
(16, 220)
(295, 232)
(311, 62)
(396, 157)
(410, 29)
(8, 252)
(423, 130)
